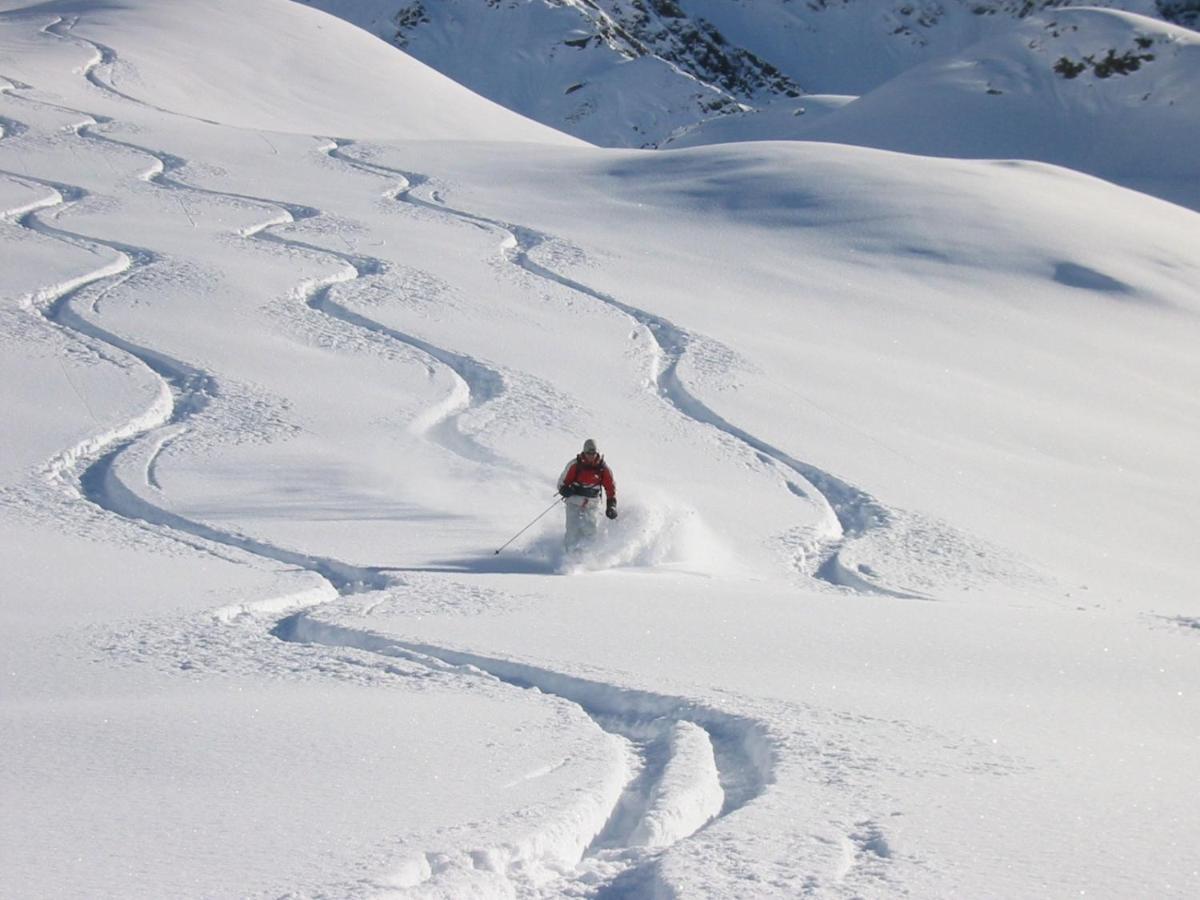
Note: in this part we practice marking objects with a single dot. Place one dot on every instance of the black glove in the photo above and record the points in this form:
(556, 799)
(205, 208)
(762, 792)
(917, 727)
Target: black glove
(611, 511)
(569, 490)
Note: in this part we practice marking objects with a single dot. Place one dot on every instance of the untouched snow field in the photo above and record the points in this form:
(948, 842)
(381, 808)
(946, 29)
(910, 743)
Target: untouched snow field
(902, 599)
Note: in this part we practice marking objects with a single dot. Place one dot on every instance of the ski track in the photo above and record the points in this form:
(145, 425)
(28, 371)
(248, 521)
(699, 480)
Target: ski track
(481, 383)
(740, 752)
(185, 392)
(664, 786)
(61, 27)
(11, 127)
(855, 511)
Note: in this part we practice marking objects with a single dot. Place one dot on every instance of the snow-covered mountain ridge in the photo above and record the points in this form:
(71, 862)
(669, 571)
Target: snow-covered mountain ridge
(1105, 92)
(638, 72)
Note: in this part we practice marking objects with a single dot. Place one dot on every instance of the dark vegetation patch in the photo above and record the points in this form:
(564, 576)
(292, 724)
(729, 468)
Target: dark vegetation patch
(1112, 63)
(1181, 12)
(408, 18)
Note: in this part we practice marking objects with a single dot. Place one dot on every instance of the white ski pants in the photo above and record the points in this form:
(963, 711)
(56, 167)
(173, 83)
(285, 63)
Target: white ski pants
(583, 521)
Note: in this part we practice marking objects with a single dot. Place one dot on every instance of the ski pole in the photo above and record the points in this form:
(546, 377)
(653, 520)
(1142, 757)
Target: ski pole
(557, 500)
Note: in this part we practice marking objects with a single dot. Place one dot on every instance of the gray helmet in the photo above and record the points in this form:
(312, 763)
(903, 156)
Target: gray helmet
(589, 446)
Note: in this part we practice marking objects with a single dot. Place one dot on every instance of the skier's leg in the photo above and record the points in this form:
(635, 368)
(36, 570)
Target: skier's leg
(573, 534)
(589, 521)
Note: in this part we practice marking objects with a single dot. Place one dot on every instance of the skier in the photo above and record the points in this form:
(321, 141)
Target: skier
(580, 485)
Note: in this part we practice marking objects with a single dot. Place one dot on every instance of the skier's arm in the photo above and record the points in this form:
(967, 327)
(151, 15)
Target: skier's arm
(567, 476)
(610, 484)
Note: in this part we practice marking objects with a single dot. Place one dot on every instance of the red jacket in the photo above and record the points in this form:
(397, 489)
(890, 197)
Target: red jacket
(596, 474)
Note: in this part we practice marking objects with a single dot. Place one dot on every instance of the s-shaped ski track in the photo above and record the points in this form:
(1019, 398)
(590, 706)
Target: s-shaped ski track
(737, 748)
(852, 511)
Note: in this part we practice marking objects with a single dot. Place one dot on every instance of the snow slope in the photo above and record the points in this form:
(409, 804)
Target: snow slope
(1099, 91)
(1106, 91)
(305, 94)
(901, 598)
